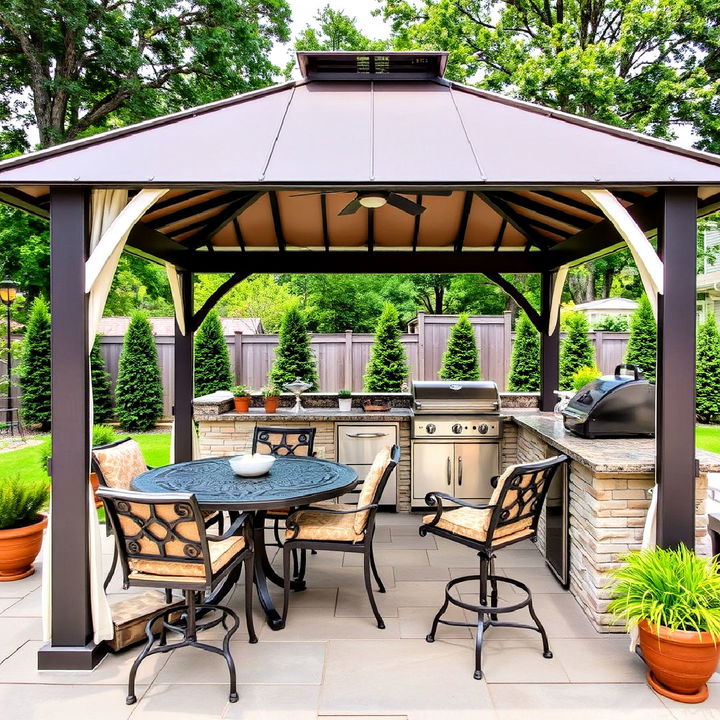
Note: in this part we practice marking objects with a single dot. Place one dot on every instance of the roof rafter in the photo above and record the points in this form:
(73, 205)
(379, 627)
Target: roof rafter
(219, 221)
(464, 217)
(519, 223)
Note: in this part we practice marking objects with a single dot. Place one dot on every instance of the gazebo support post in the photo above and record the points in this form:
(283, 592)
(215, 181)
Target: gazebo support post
(71, 646)
(675, 414)
(549, 348)
(184, 376)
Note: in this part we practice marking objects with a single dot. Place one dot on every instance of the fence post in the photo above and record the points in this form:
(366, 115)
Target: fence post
(599, 341)
(238, 357)
(421, 345)
(348, 360)
(507, 346)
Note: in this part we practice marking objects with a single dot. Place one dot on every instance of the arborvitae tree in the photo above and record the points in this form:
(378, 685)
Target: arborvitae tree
(293, 356)
(707, 378)
(101, 390)
(34, 371)
(387, 369)
(139, 392)
(460, 360)
(525, 360)
(576, 351)
(642, 346)
(212, 359)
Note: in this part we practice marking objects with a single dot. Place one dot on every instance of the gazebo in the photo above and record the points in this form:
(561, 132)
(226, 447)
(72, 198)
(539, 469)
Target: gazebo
(372, 162)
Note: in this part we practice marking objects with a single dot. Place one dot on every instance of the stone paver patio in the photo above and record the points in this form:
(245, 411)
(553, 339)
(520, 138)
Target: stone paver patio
(332, 662)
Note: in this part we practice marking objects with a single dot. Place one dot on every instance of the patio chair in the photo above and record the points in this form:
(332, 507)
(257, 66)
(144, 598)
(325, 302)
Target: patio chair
(282, 441)
(511, 516)
(162, 542)
(117, 464)
(343, 528)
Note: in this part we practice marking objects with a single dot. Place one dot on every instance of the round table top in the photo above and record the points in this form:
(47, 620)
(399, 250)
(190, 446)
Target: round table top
(290, 481)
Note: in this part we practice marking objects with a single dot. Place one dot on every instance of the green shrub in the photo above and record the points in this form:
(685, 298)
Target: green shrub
(139, 393)
(293, 356)
(212, 359)
(618, 323)
(576, 351)
(707, 373)
(642, 346)
(673, 588)
(21, 501)
(101, 390)
(34, 371)
(525, 359)
(583, 376)
(460, 360)
(387, 368)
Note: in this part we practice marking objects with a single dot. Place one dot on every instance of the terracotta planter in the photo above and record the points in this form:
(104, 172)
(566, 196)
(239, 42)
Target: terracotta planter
(680, 662)
(18, 549)
(242, 404)
(271, 403)
(95, 485)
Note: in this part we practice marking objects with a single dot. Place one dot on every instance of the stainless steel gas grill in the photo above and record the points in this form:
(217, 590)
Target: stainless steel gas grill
(456, 434)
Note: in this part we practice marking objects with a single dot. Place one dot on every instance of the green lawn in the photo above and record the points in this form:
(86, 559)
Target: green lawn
(707, 437)
(26, 461)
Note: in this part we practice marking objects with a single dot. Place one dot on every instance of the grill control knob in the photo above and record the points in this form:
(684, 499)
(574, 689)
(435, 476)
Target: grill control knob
(457, 428)
(430, 428)
(483, 428)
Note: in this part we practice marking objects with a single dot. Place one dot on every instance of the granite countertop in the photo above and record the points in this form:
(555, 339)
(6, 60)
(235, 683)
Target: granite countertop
(616, 455)
(319, 414)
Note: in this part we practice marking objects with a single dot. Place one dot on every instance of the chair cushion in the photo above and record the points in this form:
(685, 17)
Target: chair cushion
(369, 487)
(221, 553)
(472, 523)
(121, 464)
(326, 526)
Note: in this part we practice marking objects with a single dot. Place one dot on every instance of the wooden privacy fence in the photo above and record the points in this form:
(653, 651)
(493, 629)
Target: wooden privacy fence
(342, 357)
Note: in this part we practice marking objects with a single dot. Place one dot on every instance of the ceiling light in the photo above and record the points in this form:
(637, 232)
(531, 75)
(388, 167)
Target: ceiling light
(373, 200)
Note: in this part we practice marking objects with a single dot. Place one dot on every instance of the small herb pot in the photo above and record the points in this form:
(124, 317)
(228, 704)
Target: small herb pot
(345, 404)
(242, 404)
(271, 403)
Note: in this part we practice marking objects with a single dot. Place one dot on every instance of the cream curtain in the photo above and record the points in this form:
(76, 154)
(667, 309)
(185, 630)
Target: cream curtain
(648, 263)
(112, 218)
(557, 290)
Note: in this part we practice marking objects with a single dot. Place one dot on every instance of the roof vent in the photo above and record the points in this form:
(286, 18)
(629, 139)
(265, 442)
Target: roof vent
(351, 65)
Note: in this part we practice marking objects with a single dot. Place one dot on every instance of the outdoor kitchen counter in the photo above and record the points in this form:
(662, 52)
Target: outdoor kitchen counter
(601, 455)
(317, 415)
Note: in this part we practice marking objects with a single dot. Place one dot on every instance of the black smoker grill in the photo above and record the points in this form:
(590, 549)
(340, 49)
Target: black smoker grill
(619, 406)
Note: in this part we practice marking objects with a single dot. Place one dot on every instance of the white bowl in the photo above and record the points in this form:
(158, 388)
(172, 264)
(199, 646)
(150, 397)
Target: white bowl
(251, 465)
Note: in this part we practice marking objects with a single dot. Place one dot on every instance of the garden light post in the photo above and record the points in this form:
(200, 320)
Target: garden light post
(8, 293)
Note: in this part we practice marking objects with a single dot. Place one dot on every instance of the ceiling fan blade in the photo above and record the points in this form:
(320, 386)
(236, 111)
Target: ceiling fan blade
(352, 207)
(404, 204)
(439, 193)
(321, 192)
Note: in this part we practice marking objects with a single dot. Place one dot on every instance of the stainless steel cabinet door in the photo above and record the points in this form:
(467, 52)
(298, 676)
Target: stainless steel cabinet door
(433, 469)
(358, 444)
(475, 464)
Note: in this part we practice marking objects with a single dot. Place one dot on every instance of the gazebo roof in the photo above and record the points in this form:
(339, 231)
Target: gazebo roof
(358, 121)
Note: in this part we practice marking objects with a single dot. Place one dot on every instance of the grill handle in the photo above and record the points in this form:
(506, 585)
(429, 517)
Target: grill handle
(460, 470)
(367, 435)
(449, 471)
(629, 366)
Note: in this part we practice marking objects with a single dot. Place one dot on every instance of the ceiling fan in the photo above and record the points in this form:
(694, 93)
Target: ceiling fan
(372, 199)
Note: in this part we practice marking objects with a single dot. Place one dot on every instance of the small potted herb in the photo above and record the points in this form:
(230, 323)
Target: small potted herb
(345, 400)
(673, 598)
(271, 398)
(242, 398)
(21, 525)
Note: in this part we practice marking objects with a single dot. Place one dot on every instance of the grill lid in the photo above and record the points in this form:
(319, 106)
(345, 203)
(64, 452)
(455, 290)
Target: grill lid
(455, 396)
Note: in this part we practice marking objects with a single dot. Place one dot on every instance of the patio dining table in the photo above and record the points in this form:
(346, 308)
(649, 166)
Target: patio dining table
(292, 481)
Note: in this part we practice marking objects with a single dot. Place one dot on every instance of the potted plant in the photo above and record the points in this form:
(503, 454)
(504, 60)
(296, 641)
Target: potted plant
(345, 400)
(101, 435)
(21, 525)
(271, 398)
(242, 398)
(673, 598)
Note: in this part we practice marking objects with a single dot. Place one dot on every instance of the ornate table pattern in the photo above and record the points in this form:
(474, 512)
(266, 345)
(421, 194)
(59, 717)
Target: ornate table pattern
(290, 482)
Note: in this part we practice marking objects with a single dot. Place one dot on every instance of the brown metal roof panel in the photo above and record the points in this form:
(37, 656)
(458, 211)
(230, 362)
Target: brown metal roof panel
(229, 144)
(515, 144)
(326, 135)
(419, 137)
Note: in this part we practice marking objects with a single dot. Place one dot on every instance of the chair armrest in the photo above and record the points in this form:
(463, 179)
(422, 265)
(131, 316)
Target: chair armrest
(236, 525)
(434, 499)
(494, 480)
(290, 524)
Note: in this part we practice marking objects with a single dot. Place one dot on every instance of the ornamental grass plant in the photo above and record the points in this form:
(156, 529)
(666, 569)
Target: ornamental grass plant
(21, 501)
(673, 588)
